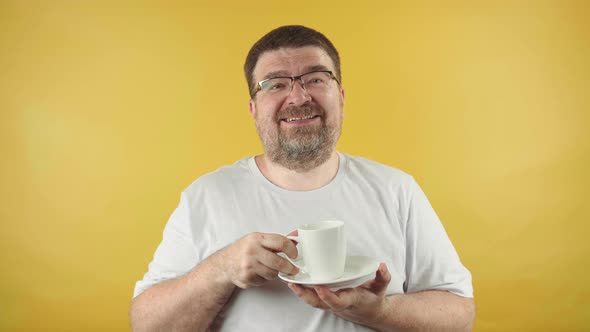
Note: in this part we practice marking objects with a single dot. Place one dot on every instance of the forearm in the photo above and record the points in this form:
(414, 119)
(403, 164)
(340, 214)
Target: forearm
(189, 303)
(426, 311)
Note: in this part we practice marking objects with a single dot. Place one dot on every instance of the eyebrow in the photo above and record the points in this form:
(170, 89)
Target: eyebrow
(284, 73)
(317, 68)
(273, 74)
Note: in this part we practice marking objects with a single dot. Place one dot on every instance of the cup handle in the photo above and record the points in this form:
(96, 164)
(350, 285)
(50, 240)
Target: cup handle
(298, 262)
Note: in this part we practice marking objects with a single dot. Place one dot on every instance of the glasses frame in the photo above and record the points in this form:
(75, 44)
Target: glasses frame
(293, 78)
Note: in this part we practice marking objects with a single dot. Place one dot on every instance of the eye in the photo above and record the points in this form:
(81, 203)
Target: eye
(276, 86)
(315, 79)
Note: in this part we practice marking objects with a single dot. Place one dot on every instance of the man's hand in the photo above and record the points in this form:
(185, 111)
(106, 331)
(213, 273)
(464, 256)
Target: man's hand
(363, 305)
(252, 260)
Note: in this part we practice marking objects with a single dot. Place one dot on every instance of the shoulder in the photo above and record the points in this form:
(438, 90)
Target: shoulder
(221, 178)
(372, 170)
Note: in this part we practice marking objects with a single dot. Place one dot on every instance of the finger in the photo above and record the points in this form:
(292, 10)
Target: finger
(293, 233)
(266, 272)
(253, 273)
(336, 301)
(275, 262)
(278, 243)
(381, 281)
(253, 280)
(308, 295)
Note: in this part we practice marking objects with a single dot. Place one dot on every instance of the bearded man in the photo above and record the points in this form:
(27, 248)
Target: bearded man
(218, 265)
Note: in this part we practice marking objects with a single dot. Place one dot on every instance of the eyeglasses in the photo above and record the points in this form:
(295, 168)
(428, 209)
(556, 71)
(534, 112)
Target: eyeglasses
(314, 82)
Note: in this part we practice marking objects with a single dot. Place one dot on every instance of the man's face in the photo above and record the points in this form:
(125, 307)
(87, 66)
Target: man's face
(298, 129)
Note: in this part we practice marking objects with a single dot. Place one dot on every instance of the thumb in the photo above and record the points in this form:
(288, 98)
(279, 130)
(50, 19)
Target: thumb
(382, 279)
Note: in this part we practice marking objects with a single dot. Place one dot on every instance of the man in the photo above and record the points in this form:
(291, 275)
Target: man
(217, 265)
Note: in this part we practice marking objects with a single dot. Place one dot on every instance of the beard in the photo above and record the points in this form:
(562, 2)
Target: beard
(299, 148)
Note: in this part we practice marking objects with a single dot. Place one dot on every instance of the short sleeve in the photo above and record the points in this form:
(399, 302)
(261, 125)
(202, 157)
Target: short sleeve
(176, 255)
(432, 262)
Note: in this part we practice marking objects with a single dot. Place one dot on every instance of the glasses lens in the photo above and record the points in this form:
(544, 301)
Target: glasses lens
(276, 85)
(316, 81)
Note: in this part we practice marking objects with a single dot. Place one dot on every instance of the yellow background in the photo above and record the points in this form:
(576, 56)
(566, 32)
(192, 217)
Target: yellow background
(109, 110)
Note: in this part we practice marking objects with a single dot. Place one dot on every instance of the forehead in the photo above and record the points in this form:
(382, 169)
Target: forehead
(291, 61)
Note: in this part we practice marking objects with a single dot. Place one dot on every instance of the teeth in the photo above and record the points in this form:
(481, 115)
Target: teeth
(299, 119)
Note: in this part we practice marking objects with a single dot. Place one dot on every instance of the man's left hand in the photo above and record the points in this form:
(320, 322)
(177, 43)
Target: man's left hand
(364, 305)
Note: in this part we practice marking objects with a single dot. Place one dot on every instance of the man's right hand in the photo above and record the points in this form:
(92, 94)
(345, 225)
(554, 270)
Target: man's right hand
(252, 260)
(193, 301)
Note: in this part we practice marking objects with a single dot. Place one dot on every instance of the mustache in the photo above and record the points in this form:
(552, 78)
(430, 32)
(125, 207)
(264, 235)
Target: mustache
(299, 112)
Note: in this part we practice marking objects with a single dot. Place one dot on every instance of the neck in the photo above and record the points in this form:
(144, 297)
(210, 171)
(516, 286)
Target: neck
(285, 178)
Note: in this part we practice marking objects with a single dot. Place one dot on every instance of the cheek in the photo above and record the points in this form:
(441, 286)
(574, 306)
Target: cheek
(266, 110)
(333, 105)
(265, 117)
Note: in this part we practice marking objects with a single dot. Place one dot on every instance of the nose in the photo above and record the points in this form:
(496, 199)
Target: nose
(298, 95)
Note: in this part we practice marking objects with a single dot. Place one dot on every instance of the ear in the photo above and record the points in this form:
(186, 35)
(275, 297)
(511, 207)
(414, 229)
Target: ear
(342, 102)
(252, 107)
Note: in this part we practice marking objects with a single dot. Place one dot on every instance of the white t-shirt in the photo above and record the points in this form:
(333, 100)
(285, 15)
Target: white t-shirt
(386, 215)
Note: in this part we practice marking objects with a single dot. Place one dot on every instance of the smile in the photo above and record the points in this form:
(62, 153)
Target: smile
(300, 119)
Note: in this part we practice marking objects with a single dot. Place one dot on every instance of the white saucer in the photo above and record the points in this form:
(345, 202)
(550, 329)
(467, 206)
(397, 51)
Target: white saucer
(357, 270)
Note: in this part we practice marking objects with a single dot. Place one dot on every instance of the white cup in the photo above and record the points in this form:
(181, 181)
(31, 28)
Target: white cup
(322, 249)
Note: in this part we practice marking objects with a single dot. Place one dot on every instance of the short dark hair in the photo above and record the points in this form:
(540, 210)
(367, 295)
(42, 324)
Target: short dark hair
(288, 36)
